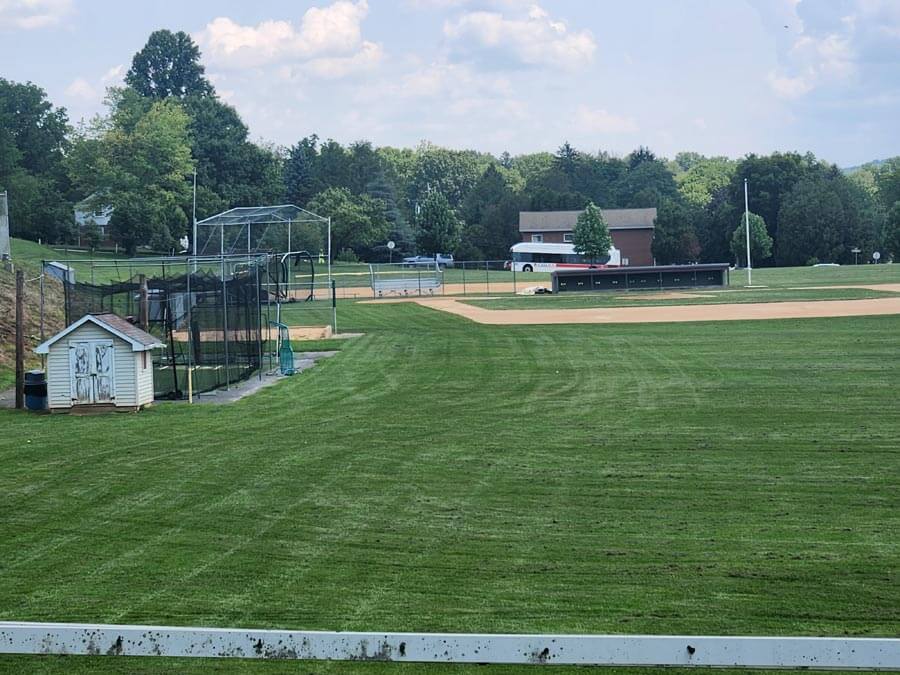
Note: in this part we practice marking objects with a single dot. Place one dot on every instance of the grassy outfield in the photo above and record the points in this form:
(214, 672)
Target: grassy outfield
(781, 277)
(700, 297)
(729, 478)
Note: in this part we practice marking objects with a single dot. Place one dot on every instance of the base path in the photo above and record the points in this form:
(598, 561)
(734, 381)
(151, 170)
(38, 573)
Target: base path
(670, 313)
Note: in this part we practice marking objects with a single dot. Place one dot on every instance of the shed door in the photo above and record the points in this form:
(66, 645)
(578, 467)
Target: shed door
(104, 391)
(91, 369)
(80, 372)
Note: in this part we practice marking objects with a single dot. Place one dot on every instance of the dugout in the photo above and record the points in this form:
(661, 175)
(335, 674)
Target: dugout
(639, 278)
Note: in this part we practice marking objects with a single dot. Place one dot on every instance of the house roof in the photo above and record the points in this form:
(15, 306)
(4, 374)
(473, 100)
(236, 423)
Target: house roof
(564, 221)
(140, 340)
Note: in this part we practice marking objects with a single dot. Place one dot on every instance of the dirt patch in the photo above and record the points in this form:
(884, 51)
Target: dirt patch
(53, 314)
(671, 313)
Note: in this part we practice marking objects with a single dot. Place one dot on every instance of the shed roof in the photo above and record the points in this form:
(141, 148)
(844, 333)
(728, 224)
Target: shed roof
(564, 221)
(140, 340)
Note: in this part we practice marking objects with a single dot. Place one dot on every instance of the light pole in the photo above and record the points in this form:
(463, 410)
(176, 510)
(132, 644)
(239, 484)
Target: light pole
(747, 218)
(194, 217)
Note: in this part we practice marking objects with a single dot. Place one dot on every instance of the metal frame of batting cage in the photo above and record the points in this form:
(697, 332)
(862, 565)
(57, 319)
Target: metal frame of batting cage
(248, 218)
(227, 278)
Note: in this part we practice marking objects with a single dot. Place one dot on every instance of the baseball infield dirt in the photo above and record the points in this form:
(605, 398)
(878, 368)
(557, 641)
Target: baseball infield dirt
(670, 313)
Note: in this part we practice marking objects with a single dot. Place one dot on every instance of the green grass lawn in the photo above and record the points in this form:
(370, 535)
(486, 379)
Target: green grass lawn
(775, 277)
(438, 475)
(701, 297)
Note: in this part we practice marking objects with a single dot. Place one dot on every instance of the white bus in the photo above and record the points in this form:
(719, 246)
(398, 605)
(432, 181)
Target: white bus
(532, 257)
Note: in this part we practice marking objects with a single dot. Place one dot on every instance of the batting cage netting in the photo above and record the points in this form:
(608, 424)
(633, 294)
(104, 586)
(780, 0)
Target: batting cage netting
(215, 327)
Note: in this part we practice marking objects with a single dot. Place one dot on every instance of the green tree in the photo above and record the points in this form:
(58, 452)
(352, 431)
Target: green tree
(33, 143)
(168, 65)
(301, 181)
(591, 236)
(760, 241)
(887, 180)
(810, 224)
(439, 227)
(491, 213)
(139, 165)
(674, 236)
(703, 176)
(37, 209)
(646, 182)
(713, 225)
(452, 173)
(892, 233)
(770, 180)
(357, 221)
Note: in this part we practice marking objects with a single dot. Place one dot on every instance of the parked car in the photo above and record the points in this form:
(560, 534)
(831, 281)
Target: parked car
(429, 260)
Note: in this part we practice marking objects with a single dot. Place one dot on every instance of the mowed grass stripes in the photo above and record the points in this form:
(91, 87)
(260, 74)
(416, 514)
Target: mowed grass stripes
(739, 478)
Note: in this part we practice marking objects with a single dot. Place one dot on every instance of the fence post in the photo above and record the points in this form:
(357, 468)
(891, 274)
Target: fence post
(464, 277)
(20, 339)
(144, 303)
(333, 307)
(225, 323)
(515, 288)
(487, 276)
(259, 328)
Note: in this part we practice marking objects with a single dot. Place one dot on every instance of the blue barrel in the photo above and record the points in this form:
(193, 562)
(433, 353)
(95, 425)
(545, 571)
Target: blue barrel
(35, 390)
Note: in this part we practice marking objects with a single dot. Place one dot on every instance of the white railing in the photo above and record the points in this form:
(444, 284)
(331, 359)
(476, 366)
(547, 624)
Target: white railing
(584, 650)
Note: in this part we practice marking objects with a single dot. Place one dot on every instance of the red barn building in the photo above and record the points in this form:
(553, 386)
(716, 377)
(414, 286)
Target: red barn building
(631, 230)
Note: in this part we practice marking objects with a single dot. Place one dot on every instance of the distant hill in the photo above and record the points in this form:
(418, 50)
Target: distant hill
(874, 164)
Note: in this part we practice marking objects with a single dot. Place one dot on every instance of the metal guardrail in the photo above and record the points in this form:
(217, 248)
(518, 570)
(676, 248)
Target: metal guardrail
(584, 650)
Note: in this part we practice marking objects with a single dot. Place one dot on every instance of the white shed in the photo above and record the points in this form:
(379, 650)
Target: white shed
(101, 360)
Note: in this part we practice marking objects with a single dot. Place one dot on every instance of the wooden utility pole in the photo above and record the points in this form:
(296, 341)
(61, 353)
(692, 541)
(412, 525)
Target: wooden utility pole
(144, 310)
(20, 339)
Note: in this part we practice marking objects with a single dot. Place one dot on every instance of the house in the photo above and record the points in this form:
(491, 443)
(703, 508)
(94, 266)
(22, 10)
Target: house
(86, 215)
(102, 362)
(631, 230)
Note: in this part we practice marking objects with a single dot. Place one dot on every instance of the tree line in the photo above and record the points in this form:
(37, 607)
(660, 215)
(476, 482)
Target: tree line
(168, 122)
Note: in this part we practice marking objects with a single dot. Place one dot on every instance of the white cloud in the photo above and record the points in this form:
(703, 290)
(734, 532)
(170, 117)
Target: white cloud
(452, 80)
(327, 41)
(114, 75)
(789, 87)
(533, 38)
(602, 122)
(332, 67)
(30, 14)
(828, 44)
(81, 89)
(90, 91)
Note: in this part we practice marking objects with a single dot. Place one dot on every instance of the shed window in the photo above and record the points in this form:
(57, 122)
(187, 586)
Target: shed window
(144, 360)
(537, 239)
(568, 237)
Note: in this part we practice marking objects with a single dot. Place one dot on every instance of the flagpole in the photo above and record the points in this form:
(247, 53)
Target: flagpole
(747, 219)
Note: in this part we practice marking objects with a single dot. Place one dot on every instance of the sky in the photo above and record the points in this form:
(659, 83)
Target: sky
(719, 77)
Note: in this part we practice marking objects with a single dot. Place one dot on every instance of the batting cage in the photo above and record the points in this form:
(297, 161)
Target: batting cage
(215, 327)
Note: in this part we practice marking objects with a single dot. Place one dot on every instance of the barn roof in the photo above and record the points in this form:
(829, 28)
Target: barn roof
(564, 221)
(140, 340)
